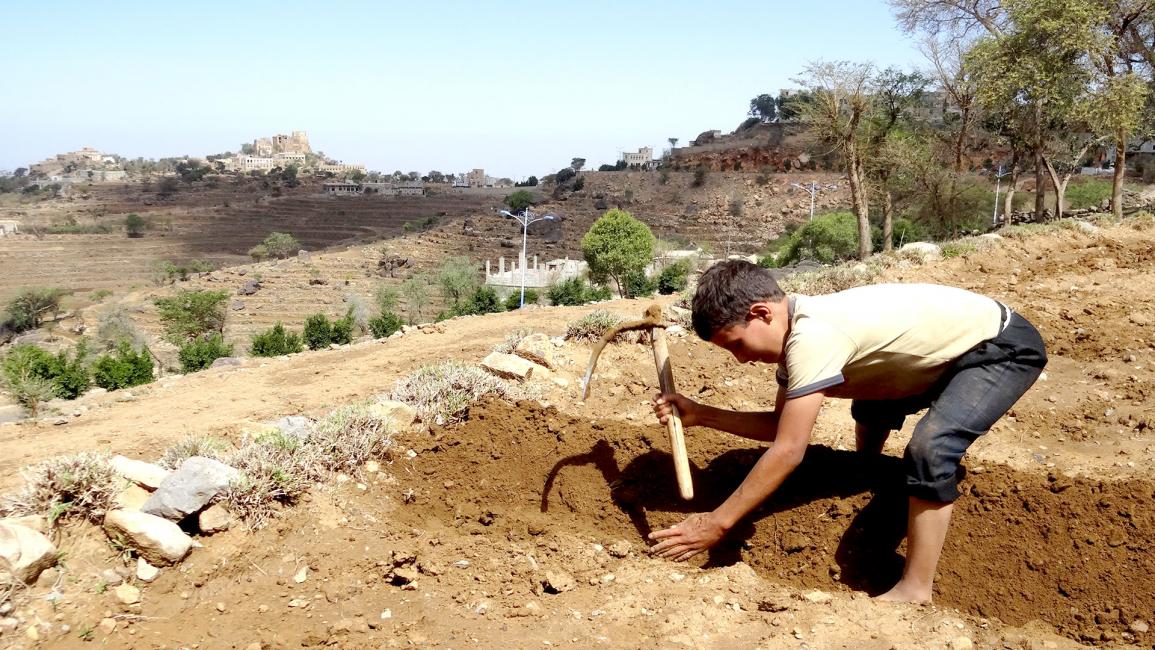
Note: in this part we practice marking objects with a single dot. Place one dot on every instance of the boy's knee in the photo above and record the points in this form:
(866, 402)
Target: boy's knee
(931, 475)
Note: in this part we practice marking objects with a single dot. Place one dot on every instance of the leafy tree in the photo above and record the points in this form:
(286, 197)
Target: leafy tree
(563, 176)
(483, 300)
(134, 225)
(191, 315)
(640, 286)
(417, 293)
(275, 341)
(342, 330)
(616, 246)
(27, 310)
(200, 353)
(837, 110)
(577, 163)
(436, 177)
(829, 238)
(764, 107)
(123, 368)
(895, 93)
(279, 245)
(318, 331)
(519, 201)
(790, 105)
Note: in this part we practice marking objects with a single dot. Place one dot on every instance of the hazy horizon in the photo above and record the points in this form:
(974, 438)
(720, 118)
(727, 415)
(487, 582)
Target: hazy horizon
(518, 90)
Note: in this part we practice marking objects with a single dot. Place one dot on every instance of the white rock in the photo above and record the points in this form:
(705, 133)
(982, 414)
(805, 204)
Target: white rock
(25, 553)
(507, 366)
(537, 349)
(139, 472)
(214, 519)
(556, 582)
(145, 571)
(157, 540)
(399, 413)
(921, 251)
(37, 523)
(132, 497)
(817, 597)
(127, 594)
(961, 643)
(1139, 627)
(302, 575)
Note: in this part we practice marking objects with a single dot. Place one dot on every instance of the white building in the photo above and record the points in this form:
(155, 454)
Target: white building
(537, 276)
(643, 157)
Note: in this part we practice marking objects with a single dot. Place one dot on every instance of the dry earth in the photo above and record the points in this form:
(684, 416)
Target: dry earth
(488, 519)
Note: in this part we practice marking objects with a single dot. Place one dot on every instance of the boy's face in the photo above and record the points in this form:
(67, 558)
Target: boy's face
(759, 338)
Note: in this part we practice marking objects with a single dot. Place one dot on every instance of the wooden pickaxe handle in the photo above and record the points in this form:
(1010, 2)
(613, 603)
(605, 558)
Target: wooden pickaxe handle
(674, 422)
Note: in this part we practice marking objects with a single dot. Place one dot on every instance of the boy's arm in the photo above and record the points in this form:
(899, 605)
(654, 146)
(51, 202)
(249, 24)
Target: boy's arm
(755, 425)
(701, 531)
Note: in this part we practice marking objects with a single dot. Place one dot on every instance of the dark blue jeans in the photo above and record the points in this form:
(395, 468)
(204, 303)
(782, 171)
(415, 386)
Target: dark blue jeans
(977, 389)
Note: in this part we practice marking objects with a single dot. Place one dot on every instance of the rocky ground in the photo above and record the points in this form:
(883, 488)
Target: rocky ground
(524, 526)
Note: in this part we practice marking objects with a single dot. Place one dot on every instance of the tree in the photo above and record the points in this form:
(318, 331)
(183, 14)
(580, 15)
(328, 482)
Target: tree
(835, 110)
(167, 186)
(27, 310)
(894, 94)
(577, 163)
(416, 292)
(190, 315)
(134, 225)
(458, 278)
(276, 245)
(1038, 59)
(124, 368)
(958, 82)
(1117, 114)
(616, 246)
(436, 177)
(764, 107)
(519, 201)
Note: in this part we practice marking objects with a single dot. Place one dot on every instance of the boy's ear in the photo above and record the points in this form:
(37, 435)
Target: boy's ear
(759, 311)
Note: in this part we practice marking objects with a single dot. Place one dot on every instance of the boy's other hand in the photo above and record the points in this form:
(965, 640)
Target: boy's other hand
(687, 408)
(685, 540)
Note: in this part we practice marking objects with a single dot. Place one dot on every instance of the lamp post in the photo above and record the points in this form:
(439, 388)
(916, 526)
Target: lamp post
(998, 186)
(812, 190)
(525, 218)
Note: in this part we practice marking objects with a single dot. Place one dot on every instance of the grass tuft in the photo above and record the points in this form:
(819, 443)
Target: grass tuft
(205, 446)
(83, 486)
(442, 393)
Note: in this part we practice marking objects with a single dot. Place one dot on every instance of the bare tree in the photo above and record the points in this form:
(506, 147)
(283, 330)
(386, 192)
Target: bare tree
(960, 19)
(946, 57)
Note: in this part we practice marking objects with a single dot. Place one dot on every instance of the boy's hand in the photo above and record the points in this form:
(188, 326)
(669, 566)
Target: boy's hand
(685, 540)
(687, 408)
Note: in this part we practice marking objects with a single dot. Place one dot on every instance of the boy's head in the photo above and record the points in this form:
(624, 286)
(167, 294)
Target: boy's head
(740, 307)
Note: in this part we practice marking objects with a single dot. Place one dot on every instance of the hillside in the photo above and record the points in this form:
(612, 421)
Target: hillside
(525, 524)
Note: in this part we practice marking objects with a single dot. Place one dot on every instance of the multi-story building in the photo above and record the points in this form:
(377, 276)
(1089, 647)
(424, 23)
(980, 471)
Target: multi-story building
(644, 157)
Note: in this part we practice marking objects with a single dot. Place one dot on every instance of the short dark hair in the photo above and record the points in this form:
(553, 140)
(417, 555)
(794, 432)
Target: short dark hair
(725, 293)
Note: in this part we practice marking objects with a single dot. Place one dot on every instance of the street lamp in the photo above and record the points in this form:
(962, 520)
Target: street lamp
(998, 186)
(812, 190)
(525, 218)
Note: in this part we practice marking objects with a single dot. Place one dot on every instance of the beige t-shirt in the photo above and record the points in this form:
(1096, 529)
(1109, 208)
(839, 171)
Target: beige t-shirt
(883, 341)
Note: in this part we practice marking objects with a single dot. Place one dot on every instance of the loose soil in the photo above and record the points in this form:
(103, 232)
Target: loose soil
(524, 526)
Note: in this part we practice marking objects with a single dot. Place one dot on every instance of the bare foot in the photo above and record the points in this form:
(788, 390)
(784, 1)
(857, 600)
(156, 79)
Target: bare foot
(904, 593)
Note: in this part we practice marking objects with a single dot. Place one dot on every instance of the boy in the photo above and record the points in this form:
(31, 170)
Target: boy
(892, 348)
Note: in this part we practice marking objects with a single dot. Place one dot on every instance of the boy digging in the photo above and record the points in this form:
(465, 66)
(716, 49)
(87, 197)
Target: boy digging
(894, 349)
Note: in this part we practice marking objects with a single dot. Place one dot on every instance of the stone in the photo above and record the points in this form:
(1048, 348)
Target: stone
(237, 305)
(157, 540)
(111, 577)
(556, 582)
(214, 519)
(146, 572)
(507, 366)
(249, 288)
(191, 487)
(1139, 318)
(399, 413)
(25, 553)
(1139, 627)
(37, 523)
(620, 548)
(107, 625)
(921, 251)
(538, 349)
(1086, 227)
(817, 597)
(227, 362)
(294, 426)
(132, 497)
(139, 472)
(961, 643)
(127, 594)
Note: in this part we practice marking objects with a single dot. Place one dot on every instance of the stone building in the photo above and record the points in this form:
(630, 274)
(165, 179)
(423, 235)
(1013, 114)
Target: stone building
(342, 188)
(537, 276)
(297, 142)
(644, 157)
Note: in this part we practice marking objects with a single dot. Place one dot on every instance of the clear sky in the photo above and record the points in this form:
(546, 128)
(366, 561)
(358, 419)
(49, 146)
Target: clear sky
(518, 88)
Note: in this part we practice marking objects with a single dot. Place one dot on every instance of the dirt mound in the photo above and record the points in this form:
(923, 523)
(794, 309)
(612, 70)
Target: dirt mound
(1070, 552)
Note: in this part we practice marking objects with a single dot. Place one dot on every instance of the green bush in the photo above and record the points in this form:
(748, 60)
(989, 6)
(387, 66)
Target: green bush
(483, 300)
(514, 299)
(124, 368)
(341, 331)
(318, 331)
(27, 310)
(134, 225)
(519, 201)
(190, 315)
(385, 324)
(829, 238)
(201, 352)
(674, 278)
(640, 286)
(575, 291)
(699, 177)
(69, 375)
(275, 342)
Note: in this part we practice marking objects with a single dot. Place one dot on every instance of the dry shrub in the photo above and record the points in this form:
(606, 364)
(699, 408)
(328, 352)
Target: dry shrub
(83, 486)
(511, 340)
(831, 279)
(1142, 220)
(348, 437)
(441, 393)
(594, 325)
(205, 446)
